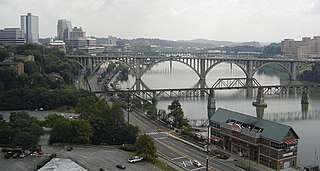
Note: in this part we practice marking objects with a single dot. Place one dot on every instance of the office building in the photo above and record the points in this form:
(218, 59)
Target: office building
(83, 44)
(304, 49)
(12, 36)
(267, 143)
(64, 27)
(77, 32)
(30, 27)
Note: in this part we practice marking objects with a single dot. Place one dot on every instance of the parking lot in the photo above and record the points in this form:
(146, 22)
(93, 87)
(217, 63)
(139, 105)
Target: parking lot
(89, 157)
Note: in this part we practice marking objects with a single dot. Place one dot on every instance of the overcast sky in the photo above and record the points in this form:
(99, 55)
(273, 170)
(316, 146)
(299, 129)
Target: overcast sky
(232, 20)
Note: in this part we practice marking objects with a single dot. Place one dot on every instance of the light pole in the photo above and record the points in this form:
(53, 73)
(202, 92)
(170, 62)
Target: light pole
(208, 138)
(128, 104)
(248, 145)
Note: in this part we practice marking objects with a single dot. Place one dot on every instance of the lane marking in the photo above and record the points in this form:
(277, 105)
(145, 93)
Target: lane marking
(183, 154)
(179, 158)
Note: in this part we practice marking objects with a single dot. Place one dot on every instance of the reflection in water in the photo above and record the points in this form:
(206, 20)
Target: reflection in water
(260, 112)
(304, 110)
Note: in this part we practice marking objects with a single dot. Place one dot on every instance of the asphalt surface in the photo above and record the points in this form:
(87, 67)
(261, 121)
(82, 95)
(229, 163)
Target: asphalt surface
(176, 151)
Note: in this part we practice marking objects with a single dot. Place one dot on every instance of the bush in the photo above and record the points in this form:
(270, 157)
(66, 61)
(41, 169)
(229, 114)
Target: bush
(128, 147)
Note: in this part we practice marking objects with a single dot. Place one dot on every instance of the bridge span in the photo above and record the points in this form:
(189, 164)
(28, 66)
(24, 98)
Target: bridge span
(200, 63)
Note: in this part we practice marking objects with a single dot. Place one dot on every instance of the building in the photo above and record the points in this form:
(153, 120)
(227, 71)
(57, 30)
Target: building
(268, 143)
(77, 32)
(306, 48)
(30, 27)
(58, 44)
(18, 66)
(12, 36)
(84, 44)
(64, 27)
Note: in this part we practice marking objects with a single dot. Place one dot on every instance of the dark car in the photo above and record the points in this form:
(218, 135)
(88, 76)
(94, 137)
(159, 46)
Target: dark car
(9, 154)
(121, 166)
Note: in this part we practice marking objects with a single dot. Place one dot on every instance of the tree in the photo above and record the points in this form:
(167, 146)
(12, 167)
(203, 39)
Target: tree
(177, 114)
(51, 119)
(82, 131)
(25, 140)
(145, 147)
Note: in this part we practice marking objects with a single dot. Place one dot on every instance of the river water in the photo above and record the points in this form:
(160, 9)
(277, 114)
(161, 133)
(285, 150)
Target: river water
(285, 109)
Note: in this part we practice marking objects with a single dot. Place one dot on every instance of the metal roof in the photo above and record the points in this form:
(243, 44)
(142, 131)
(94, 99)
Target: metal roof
(272, 130)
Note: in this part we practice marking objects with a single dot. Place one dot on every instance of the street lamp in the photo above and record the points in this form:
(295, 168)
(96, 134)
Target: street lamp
(128, 105)
(208, 138)
(248, 145)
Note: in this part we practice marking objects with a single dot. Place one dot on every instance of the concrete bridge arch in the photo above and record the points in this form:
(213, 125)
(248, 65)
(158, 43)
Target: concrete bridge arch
(287, 70)
(212, 66)
(144, 70)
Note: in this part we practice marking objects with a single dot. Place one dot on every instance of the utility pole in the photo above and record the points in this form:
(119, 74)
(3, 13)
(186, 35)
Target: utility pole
(207, 163)
(128, 105)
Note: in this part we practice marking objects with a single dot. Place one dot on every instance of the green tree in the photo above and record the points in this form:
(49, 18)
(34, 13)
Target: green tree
(82, 131)
(145, 147)
(25, 140)
(177, 114)
(51, 119)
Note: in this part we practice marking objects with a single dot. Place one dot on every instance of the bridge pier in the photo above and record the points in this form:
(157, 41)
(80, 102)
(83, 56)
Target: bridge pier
(211, 104)
(260, 99)
(305, 96)
(293, 69)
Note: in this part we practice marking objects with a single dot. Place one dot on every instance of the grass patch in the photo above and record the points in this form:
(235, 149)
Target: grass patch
(163, 166)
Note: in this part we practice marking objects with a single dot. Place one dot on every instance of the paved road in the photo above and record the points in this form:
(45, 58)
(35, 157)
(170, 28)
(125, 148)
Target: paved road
(176, 151)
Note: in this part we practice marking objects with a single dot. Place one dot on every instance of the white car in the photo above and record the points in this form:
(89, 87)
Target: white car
(196, 163)
(135, 159)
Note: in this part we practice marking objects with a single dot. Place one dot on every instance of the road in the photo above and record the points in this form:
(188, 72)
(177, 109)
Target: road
(176, 151)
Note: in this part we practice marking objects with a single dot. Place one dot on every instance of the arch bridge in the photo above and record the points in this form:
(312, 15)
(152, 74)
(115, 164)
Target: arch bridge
(200, 63)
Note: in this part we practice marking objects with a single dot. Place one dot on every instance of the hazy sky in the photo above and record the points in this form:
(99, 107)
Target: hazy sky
(233, 20)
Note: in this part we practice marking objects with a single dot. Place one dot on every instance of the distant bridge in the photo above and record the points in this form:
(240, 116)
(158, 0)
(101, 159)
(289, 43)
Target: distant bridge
(200, 63)
(220, 84)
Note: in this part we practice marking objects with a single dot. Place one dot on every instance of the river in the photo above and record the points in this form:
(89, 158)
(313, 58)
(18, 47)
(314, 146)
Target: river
(285, 109)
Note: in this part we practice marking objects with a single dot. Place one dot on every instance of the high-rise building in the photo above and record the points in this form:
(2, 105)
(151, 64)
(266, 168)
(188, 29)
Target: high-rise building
(12, 36)
(64, 27)
(77, 32)
(30, 27)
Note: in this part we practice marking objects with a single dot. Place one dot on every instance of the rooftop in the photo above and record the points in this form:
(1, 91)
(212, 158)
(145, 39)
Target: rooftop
(268, 129)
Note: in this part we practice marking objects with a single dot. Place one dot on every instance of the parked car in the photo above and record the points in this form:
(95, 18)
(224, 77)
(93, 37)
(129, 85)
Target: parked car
(9, 154)
(121, 166)
(196, 163)
(135, 159)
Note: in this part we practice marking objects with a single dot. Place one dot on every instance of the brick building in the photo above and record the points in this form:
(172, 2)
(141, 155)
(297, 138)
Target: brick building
(268, 143)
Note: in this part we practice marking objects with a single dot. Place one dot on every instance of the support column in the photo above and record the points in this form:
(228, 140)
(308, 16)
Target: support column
(305, 96)
(260, 99)
(138, 84)
(293, 69)
(202, 84)
(137, 69)
(211, 104)
(90, 64)
(250, 73)
(202, 69)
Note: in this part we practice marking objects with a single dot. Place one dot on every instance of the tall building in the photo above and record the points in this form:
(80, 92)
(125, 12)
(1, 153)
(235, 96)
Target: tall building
(77, 32)
(12, 36)
(306, 48)
(30, 27)
(64, 27)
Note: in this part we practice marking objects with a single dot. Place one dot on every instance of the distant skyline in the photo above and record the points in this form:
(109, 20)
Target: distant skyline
(223, 20)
